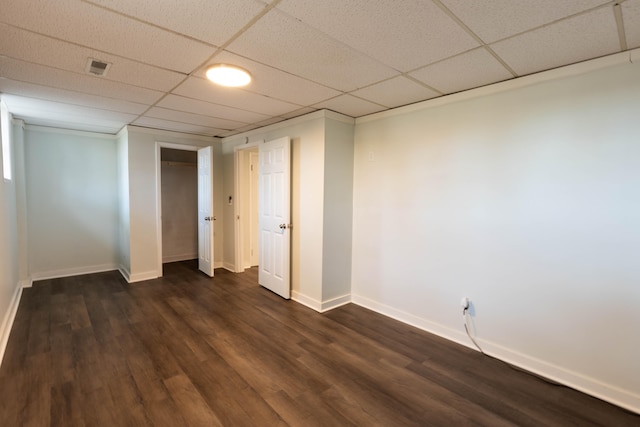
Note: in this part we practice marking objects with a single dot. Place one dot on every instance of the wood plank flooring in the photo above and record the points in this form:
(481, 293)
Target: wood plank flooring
(186, 350)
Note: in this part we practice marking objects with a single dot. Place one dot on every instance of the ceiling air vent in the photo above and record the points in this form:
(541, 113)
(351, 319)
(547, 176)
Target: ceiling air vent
(97, 67)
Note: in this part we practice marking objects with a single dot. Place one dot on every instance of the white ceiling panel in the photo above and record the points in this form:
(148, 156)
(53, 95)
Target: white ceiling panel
(52, 77)
(403, 34)
(275, 83)
(493, 20)
(196, 106)
(352, 56)
(32, 47)
(471, 69)
(573, 40)
(285, 43)
(199, 19)
(176, 126)
(194, 119)
(350, 105)
(69, 97)
(631, 18)
(92, 26)
(195, 87)
(36, 111)
(396, 92)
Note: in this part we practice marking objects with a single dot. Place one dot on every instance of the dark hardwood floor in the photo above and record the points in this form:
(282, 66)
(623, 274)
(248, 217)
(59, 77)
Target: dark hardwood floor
(193, 351)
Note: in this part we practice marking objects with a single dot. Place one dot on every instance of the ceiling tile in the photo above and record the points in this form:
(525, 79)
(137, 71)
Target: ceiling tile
(32, 47)
(194, 119)
(199, 19)
(468, 70)
(53, 94)
(350, 105)
(52, 77)
(286, 43)
(95, 27)
(196, 106)
(631, 18)
(275, 83)
(57, 114)
(513, 16)
(569, 41)
(195, 87)
(396, 92)
(176, 126)
(402, 34)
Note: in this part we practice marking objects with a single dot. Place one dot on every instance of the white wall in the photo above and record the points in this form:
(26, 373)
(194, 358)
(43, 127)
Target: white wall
(10, 288)
(338, 211)
(526, 201)
(72, 200)
(124, 244)
(142, 196)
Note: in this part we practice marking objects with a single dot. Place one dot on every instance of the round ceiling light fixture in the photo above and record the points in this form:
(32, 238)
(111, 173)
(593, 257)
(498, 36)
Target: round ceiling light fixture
(228, 75)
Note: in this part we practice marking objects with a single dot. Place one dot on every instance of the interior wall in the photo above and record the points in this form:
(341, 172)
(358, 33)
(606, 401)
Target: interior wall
(9, 262)
(124, 243)
(526, 202)
(338, 210)
(72, 202)
(179, 181)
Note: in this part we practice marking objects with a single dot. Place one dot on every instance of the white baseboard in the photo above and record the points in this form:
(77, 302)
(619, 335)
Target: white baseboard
(218, 264)
(230, 267)
(180, 257)
(320, 306)
(76, 271)
(124, 272)
(140, 277)
(26, 283)
(7, 322)
(607, 392)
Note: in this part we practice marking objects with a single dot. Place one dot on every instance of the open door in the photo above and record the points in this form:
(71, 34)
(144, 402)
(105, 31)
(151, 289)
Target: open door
(275, 213)
(205, 210)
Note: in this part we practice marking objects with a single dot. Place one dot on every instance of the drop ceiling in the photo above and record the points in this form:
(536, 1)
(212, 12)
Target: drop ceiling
(355, 57)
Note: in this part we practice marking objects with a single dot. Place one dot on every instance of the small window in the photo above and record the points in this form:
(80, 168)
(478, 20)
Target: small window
(5, 123)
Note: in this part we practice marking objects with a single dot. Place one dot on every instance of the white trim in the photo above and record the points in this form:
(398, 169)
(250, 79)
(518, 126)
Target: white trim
(171, 134)
(306, 301)
(290, 122)
(335, 303)
(63, 131)
(179, 257)
(125, 273)
(9, 318)
(590, 386)
(607, 392)
(140, 277)
(557, 73)
(26, 283)
(634, 56)
(319, 306)
(218, 264)
(229, 267)
(76, 271)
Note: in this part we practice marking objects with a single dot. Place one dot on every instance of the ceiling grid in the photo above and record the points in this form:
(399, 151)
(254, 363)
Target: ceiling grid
(355, 57)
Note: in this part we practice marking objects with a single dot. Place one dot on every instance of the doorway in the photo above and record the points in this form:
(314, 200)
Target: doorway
(247, 249)
(179, 210)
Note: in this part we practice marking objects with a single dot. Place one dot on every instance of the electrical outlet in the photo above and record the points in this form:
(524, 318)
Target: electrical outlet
(464, 302)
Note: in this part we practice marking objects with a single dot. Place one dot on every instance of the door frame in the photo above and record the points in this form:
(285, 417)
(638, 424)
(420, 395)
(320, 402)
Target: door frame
(238, 264)
(159, 146)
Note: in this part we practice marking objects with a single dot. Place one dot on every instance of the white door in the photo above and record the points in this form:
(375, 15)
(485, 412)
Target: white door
(274, 210)
(205, 210)
(254, 221)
